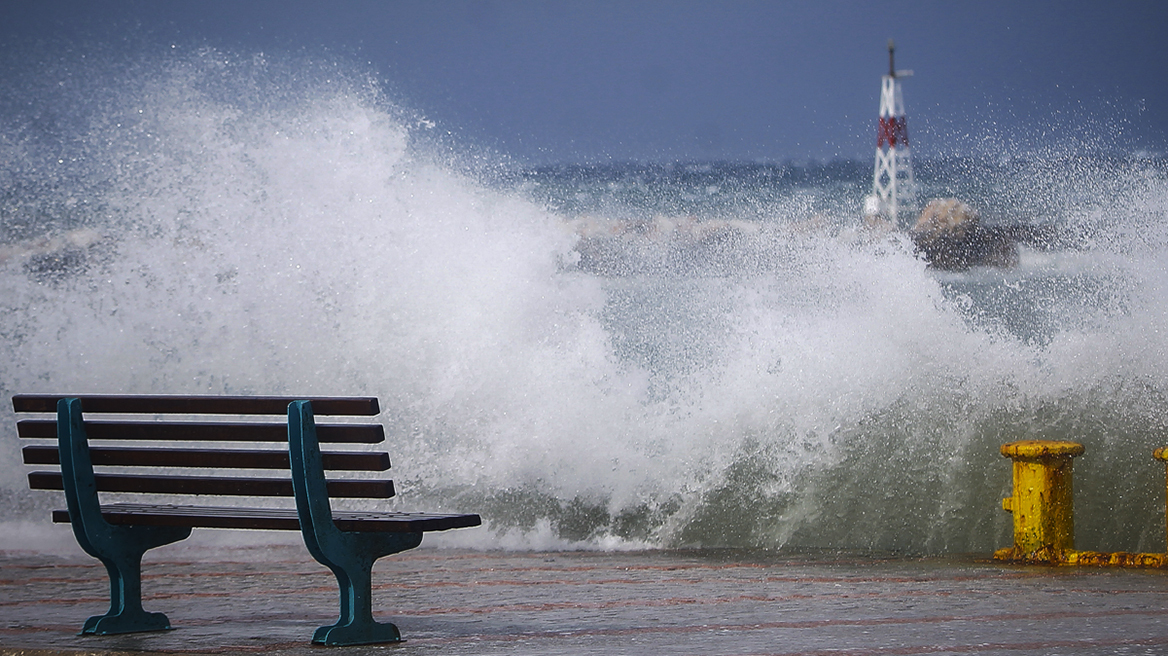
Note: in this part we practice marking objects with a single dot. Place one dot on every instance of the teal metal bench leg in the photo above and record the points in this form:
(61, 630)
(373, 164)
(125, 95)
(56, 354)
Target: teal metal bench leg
(356, 625)
(125, 614)
(349, 555)
(119, 548)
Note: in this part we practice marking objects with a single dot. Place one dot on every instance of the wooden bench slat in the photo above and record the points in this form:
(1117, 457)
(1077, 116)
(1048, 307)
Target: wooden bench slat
(229, 405)
(215, 485)
(222, 458)
(273, 518)
(161, 431)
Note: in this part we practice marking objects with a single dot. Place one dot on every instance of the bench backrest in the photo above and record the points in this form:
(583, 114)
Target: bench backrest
(140, 432)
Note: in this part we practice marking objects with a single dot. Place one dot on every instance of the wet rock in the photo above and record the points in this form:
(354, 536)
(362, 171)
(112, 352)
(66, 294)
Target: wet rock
(950, 236)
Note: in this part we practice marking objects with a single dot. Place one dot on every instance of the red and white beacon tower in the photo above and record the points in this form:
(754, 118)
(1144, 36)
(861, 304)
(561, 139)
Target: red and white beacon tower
(893, 189)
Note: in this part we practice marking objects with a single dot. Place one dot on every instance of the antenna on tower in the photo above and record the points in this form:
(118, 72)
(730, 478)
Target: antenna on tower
(893, 188)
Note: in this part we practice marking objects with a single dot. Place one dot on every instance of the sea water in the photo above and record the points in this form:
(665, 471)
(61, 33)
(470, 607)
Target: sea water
(693, 354)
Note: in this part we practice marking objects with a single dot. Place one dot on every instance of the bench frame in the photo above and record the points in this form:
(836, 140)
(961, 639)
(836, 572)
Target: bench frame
(118, 535)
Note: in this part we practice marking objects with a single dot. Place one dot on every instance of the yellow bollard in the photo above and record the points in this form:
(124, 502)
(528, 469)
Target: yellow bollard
(1161, 454)
(1042, 502)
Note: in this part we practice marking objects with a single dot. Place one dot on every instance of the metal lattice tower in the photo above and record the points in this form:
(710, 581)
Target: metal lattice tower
(893, 188)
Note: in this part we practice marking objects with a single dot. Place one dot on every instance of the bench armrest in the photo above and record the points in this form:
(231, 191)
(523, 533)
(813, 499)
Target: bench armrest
(308, 482)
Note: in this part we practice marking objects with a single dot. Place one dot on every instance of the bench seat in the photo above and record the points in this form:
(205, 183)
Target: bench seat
(273, 519)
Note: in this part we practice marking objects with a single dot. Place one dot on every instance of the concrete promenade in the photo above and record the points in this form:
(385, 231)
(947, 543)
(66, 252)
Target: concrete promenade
(268, 599)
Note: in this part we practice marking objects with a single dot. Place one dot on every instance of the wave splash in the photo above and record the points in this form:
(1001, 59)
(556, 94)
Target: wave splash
(228, 224)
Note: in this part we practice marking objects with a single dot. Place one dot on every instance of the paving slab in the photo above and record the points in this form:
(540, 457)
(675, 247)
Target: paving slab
(269, 598)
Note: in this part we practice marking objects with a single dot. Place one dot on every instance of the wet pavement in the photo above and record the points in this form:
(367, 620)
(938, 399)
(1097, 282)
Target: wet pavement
(270, 598)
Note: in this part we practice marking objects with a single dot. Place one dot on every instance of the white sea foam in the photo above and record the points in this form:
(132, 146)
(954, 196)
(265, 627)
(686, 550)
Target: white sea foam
(276, 228)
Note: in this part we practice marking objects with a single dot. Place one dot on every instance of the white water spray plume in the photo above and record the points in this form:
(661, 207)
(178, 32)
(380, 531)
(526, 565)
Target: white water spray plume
(210, 223)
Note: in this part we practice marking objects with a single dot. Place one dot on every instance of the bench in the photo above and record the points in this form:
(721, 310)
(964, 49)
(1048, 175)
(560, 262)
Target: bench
(152, 434)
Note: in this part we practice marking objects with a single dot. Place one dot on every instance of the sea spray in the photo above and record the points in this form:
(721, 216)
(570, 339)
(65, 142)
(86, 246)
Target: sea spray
(276, 225)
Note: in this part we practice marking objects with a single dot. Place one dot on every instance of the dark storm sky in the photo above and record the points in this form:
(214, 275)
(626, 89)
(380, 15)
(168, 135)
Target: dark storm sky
(587, 81)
